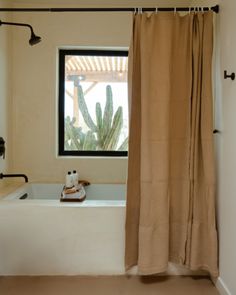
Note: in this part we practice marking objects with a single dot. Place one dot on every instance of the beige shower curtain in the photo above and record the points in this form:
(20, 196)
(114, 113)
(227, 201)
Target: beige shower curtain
(170, 213)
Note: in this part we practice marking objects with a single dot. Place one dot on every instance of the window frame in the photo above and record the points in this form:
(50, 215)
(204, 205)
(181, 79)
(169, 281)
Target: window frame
(61, 102)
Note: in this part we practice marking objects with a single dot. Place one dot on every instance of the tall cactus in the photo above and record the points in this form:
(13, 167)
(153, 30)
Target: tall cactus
(113, 132)
(84, 109)
(108, 112)
(99, 123)
(102, 135)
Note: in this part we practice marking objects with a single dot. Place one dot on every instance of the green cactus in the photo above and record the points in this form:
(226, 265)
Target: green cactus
(113, 133)
(89, 143)
(75, 139)
(84, 109)
(99, 123)
(108, 112)
(104, 134)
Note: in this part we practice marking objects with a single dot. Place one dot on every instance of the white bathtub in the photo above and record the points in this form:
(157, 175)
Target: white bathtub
(40, 235)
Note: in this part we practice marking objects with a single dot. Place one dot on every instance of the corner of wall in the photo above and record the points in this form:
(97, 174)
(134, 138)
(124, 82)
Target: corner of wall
(221, 287)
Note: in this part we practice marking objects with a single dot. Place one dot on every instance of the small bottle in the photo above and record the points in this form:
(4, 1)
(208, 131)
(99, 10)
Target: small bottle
(75, 177)
(69, 180)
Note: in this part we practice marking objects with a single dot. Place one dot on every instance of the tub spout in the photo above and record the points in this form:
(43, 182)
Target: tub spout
(13, 175)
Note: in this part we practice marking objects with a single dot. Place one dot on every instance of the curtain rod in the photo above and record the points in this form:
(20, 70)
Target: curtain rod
(117, 9)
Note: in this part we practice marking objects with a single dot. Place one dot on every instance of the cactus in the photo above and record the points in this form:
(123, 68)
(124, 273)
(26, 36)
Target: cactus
(108, 112)
(75, 139)
(84, 109)
(104, 134)
(89, 143)
(113, 133)
(71, 135)
(99, 123)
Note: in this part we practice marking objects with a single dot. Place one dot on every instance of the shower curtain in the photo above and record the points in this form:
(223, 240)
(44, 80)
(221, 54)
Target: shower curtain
(170, 214)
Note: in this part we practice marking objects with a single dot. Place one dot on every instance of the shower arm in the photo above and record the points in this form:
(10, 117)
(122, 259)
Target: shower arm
(33, 39)
(17, 24)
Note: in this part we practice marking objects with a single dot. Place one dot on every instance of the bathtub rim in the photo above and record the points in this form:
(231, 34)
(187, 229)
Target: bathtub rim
(11, 198)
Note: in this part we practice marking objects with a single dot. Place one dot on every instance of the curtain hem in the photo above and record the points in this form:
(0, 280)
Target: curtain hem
(178, 261)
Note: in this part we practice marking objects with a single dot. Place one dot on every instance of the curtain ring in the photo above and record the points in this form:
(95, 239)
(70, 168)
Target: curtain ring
(140, 10)
(175, 10)
(156, 11)
(189, 11)
(135, 10)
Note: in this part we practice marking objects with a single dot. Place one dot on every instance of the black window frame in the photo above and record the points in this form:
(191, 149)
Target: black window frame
(61, 102)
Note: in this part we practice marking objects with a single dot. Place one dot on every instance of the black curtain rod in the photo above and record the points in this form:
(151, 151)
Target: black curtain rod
(117, 9)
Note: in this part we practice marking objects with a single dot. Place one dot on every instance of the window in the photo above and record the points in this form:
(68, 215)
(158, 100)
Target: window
(93, 103)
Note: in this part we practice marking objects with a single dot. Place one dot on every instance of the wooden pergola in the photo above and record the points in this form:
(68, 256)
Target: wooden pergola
(98, 68)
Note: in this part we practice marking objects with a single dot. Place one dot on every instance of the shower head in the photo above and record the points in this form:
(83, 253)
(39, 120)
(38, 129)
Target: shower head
(34, 39)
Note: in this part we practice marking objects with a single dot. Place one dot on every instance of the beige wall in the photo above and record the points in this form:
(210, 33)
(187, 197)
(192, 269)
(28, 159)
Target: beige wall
(227, 148)
(34, 88)
(226, 142)
(4, 85)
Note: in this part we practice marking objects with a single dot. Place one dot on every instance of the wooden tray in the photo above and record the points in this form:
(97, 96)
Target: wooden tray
(78, 196)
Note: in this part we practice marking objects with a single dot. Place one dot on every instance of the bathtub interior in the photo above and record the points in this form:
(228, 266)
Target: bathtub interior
(42, 191)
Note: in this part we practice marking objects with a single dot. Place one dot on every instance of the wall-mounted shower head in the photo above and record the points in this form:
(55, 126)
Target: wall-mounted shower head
(33, 38)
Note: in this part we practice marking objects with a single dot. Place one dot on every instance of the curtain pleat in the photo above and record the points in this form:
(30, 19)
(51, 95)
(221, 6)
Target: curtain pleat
(170, 213)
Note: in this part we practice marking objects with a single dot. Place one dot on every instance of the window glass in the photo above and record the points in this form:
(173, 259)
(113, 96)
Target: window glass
(93, 103)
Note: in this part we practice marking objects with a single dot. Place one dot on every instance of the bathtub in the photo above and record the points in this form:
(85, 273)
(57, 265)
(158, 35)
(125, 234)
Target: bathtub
(39, 235)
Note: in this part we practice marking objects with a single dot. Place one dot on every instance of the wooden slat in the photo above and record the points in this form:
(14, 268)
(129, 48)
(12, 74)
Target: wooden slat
(97, 64)
(78, 67)
(83, 64)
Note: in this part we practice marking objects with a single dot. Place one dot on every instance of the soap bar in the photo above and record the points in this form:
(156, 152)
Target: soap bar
(70, 190)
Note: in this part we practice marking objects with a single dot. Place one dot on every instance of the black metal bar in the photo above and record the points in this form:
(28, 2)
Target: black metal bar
(16, 24)
(106, 9)
(13, 175)
(95, 153)
(229, 76)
